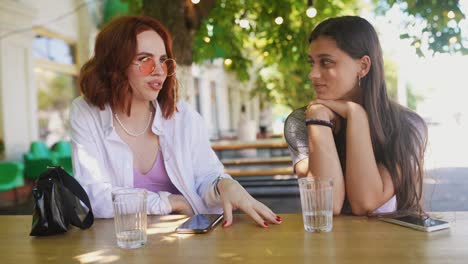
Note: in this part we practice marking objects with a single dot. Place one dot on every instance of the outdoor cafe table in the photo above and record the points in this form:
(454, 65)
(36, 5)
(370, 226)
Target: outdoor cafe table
(257, 144)
(353, 240)
(233, 145)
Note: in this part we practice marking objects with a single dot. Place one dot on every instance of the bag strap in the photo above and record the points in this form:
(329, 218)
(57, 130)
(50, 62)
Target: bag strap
(75, 188)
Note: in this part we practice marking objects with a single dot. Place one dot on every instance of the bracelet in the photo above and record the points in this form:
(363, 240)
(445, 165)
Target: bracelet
(319, 122)
(216, 185)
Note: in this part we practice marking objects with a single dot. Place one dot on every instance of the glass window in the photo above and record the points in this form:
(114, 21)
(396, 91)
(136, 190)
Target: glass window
(56, 81)
(53, 49)
(55, 91)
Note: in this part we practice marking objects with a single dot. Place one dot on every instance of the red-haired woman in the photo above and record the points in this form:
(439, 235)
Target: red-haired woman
(129, 130)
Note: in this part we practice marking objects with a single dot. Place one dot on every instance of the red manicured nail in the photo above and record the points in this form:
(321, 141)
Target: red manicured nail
(265, 223)
(278, 218)
(224, 223)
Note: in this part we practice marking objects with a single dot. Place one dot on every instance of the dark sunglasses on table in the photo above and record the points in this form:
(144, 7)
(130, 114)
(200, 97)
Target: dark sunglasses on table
(147, 65)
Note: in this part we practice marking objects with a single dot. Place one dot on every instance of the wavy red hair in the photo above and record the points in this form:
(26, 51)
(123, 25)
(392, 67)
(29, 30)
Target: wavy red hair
(103, 79)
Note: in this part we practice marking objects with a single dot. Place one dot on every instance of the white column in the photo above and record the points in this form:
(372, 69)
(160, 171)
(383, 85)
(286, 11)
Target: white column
(186, 86)
(86, 36)
(18, 99)
(222, 95)
(205, 97)
(234, 100)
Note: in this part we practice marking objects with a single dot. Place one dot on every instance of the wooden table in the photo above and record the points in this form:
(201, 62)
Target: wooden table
(353, 240)
(258, 144)
(260, 172)
(236, 145)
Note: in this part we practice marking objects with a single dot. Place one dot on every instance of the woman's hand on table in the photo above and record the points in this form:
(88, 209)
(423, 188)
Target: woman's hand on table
(234, 196)
(180, 204)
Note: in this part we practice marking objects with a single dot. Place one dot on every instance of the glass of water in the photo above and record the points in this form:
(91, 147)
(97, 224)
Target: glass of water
(317, 203)
(130, 217)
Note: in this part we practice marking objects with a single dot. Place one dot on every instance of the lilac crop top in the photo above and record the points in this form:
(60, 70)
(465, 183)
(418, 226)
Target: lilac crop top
(156, 179)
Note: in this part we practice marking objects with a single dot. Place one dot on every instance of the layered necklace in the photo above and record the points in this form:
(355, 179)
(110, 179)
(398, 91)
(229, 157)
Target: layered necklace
(131, 133)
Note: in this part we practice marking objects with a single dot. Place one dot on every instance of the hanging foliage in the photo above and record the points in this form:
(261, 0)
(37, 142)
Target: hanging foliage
(271, 36)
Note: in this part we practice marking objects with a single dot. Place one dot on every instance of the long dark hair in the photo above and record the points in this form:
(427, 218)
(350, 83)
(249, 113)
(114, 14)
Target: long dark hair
(103, 79)
(398, 135)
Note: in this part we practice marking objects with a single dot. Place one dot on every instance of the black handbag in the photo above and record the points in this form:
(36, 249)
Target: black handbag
(57, 197)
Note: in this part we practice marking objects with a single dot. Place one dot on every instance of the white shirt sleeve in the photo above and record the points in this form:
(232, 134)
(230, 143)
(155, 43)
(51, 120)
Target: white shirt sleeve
(206, 165)
(88, 163)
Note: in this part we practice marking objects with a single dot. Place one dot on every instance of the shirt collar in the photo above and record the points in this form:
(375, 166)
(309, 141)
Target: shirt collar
(157, 126)
(107, 120)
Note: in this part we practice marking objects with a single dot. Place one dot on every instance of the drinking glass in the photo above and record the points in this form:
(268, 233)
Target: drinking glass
(317, 204)
(130, 217)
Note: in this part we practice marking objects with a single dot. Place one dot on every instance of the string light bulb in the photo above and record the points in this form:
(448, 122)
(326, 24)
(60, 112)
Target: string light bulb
(227, 62)
(451, 14)
(243, 22)
(311, 11)
(195, 1)
(279, 20)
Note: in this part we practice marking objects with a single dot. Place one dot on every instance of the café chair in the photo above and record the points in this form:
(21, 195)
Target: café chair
(37, 160)
(62, 155)
(11, 177)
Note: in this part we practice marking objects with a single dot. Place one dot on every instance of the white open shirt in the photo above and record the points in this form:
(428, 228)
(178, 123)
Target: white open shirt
(102, 162)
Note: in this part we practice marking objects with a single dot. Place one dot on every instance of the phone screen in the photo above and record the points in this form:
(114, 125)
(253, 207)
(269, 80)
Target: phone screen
(419, 222)
(422, 221)
(201, 223)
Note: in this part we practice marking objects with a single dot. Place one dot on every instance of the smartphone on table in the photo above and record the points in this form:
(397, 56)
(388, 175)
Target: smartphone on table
(418, 222)
(199, 224)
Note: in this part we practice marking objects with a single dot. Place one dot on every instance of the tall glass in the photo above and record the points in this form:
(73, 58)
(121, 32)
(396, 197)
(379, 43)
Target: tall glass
(317, 203)
(130, 217)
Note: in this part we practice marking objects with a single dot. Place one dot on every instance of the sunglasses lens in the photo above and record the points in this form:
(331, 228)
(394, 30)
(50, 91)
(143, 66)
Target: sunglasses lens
(147, 66)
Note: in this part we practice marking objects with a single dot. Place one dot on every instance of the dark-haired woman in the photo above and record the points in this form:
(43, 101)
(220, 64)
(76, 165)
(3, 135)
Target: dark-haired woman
(372, 147)
(129, 130)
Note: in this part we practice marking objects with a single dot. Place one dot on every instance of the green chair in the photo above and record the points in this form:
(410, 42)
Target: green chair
(62, 155)
(37, 160)
(11, 177)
